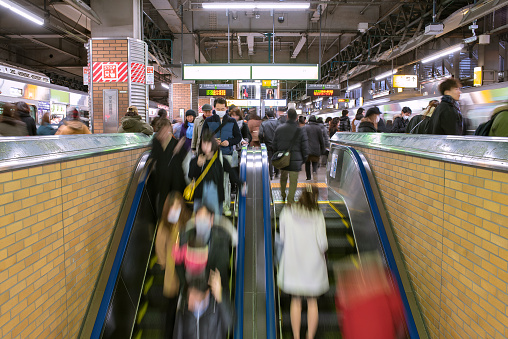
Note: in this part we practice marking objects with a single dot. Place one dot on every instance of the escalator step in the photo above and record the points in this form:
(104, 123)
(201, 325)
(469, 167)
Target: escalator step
(148, 284)
(141, 312)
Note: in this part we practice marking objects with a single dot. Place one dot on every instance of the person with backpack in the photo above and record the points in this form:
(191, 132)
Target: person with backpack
(266, 135)
(497, 125)
(316, 146)
(416, 123)
(447, 118)
(344, 123)
(401, 122)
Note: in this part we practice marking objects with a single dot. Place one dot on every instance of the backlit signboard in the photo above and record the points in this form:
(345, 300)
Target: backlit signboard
(275, 102)
(322, 90)
(478, 76)
(270, 83)
(216, 72)
(244, 103)
(405, 81)
(285, 72)
(220, 90)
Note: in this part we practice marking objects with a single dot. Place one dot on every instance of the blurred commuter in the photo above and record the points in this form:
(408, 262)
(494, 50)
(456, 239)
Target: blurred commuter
(358, 119)
(198, 125)
(302, 120)
(132, 123)
(177, 125)
(389, 124)
(46, 128)
(237, 114)
(328, 121)
(344, 122)
(174, 217)
(316, 146)
(499, 126)
(326, 138)
(24, 115)
(290, 137)
(10, 123)
(225, 130)
(282, 114)
(400, 122)
(334, 127)
(303, 272)
(447, 118)
(266, 135)
(161, 114)
(369, 124)
(202, 248)
(188, 128)
(254, 123)
(169, 156)
(211, 190)
(73, 125)
(206, 311)
(417, 124)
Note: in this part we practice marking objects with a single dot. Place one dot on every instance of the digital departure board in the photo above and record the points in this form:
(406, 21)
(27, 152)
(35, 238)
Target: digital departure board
(323, 90)
(219, 90)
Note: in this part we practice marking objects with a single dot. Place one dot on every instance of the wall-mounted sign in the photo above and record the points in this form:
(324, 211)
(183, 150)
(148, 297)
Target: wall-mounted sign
(86, 75)
(16, 92)
(110, 109)
(21, 73)
(110, 72)
(270, 83)
(216, 72)
(150, 77)
(219, 90)
(285, 72)
(250, 72)
(321, 90)
(138, 72)
(275, 103)
(478, 76)
(342, 100)
(244, 103)
(405, 81)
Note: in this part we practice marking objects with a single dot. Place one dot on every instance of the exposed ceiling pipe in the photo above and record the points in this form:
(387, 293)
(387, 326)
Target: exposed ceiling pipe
(239, 41)
(299, 46)
(250, 44)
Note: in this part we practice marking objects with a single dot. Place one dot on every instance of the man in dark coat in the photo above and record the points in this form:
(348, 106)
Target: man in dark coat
(400, 122)
(447, 118)
(168, 154)
(290, 136)
(266, 135)
(316, 147)
(24, 115)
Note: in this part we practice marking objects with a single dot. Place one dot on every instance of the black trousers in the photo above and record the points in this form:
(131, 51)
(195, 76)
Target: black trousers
(170, 315)
(271, 168)
(307, 168)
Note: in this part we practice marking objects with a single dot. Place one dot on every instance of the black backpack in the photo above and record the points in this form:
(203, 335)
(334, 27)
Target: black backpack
(484, 129)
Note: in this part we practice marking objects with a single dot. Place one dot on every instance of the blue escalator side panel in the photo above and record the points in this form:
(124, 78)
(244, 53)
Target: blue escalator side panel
(110, 286)
(270, 288)
(240, 254)
(413, 332)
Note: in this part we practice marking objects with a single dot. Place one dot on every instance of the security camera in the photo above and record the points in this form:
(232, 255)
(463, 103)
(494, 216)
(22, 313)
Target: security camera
(281, 19)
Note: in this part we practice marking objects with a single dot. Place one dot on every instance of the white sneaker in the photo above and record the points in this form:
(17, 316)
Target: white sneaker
(227, 213)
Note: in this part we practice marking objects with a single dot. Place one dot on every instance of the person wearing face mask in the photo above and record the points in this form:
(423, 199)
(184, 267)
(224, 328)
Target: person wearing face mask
(236, 114)
(226, 131)
(400, 122)
(206, 312)
(369, 124)
(447, 118)
(198, 125)
(169, 156)
(205, 234)
(174, 217)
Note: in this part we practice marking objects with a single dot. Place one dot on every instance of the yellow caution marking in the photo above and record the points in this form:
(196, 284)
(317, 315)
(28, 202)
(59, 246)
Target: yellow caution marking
(355, 262)
(350, 240)
(339, 213)
(142, 312)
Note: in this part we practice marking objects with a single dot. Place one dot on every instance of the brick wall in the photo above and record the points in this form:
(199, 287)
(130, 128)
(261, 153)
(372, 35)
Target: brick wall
(205, 100)
(55, 223)
(109, 51)
(451, 222)
(181, 98)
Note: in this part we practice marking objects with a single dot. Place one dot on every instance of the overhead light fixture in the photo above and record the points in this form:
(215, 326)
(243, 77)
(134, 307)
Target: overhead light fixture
(355, 86)
(386, 74)
(166, 86)
(22, 12)
(447, 51)
(255, 5)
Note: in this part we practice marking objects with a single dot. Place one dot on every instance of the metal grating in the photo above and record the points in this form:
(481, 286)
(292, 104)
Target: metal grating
(138, 95)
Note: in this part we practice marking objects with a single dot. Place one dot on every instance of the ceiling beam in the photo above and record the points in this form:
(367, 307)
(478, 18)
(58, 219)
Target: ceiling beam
(299, 46)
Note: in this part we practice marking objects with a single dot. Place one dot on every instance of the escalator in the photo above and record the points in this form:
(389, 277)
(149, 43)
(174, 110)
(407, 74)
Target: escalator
(356, 225)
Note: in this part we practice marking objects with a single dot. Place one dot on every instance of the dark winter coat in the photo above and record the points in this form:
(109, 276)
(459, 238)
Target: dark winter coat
(215, 175)
(229, 132)
(500, 125)
(366, 127)
(215, 322)
(245, 132)
(315, 138)
(399, 125)
(447, 119)
(344, 124)
(29, 122)
(267, 131)
(10, 127)
(46, 129)
(299, 148)
(326, 137)
(134, 124)
(413, 123)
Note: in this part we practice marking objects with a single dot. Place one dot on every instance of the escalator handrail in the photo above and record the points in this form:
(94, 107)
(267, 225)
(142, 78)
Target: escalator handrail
(240, 248)
(269, 276)
(412, 328)
(115, 269)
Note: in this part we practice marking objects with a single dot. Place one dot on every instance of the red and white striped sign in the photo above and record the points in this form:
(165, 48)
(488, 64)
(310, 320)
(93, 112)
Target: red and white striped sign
(86, 75)
(137, 72)
(110, 72)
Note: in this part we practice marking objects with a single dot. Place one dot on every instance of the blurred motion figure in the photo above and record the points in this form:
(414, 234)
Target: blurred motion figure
(10, 123)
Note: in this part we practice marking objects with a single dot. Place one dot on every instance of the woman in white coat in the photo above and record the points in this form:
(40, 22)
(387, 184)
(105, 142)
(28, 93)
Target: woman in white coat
(303, 272)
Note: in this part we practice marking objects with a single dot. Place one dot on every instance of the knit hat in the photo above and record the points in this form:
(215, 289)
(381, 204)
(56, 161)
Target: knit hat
(207, 107)
(372, 111)
(312, 118)
(190, 112)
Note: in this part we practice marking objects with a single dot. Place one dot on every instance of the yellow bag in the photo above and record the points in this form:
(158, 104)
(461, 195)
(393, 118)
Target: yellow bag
(188, 193)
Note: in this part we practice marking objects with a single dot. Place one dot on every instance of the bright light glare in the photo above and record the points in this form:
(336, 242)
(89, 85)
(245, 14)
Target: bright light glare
(166, 86)
(255, 5)
(448, 51)
(386, 74)
(21, 11)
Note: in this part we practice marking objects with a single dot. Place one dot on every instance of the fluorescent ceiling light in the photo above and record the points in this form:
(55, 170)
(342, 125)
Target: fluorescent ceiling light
(447, 51)
(255, 5)
(355, 86)
(386, 74)
(166, 86)
(22, 12)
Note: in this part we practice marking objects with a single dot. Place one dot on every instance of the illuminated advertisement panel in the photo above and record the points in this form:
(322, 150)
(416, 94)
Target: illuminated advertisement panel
(285, 72)
(216, 72)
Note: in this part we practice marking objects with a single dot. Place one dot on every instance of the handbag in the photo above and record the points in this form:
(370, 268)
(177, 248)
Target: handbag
(281, 159)
(188, 193)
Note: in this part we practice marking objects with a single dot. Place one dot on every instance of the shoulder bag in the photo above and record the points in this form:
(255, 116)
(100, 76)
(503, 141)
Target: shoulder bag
(188, 193)
(281, 159)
